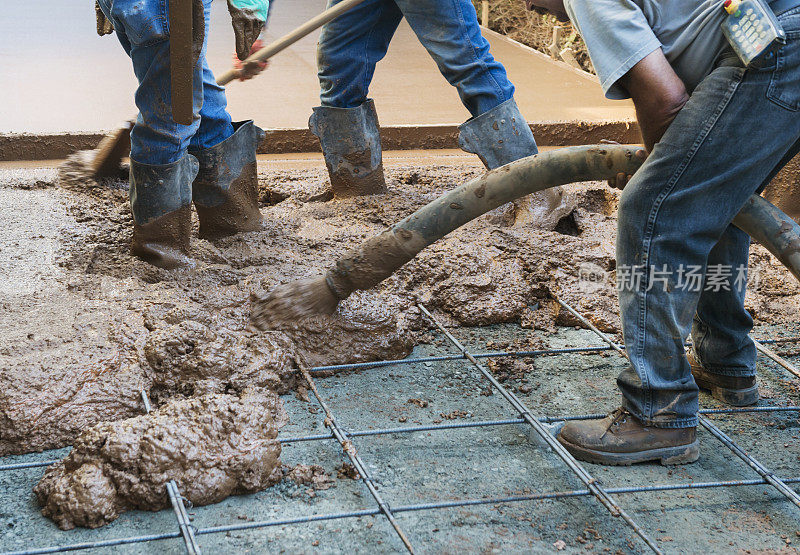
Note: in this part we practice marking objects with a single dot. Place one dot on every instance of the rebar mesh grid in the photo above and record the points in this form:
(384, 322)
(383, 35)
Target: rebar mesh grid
(188, 533)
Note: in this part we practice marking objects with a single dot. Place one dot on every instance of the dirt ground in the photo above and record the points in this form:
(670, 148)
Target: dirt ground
(534, 29)
(86, 327)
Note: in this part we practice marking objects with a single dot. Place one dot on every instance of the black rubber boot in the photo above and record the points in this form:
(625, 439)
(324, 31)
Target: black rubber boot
(225, 191)
(501, 136)
(161, 202)
(351, 143)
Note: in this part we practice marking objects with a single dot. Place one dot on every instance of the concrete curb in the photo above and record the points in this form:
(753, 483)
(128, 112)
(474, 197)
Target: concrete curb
(23, 146)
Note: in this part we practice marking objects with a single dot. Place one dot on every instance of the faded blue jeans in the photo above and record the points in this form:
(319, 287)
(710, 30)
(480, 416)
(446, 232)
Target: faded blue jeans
(738, 129)
(351, 45)
(142, 27)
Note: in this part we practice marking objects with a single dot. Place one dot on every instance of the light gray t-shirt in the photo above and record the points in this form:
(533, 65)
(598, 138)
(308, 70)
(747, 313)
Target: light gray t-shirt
(620, 33)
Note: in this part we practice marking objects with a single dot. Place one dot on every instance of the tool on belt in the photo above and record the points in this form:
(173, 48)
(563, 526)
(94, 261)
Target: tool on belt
(753, 30)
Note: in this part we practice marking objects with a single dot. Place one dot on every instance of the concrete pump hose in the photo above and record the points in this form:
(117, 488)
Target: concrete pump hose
(382, 255)
(776, 231)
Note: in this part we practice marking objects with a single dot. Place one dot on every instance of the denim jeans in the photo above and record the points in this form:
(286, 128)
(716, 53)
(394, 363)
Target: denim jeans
(351, 45)
(142, 27)
(739, 127)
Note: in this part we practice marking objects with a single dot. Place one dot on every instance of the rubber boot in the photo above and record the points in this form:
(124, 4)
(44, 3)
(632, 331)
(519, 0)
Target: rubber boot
(351, 143)
(501, 136)
(161, 202)
(225, 191)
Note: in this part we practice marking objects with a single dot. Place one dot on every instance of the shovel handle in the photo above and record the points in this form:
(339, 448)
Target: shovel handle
(289, 39)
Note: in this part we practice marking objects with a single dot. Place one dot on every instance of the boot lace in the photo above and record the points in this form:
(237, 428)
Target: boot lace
(618, 416)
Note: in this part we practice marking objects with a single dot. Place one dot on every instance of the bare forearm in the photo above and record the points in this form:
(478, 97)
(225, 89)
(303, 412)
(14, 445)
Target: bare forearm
(658, 95)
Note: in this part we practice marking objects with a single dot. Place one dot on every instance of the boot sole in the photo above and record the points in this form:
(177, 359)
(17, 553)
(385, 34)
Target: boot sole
(667, 456)
(733, 397)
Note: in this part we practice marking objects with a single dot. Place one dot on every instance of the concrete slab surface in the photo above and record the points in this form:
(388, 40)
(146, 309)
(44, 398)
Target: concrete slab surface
(59, 76)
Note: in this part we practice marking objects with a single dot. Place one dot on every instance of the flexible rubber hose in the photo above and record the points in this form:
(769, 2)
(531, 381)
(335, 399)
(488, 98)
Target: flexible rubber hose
(777, 232)
(380, 256)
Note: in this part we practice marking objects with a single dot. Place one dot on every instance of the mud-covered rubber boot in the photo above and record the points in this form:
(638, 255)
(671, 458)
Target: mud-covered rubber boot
(351, 143)
(736, 391)
(501, 136)
(161, 202)
(621, 439)
(225, 191)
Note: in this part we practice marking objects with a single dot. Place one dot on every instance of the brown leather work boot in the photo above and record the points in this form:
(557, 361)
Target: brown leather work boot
(161, 199)
(621, 439)
(225, 191)
(732, 390)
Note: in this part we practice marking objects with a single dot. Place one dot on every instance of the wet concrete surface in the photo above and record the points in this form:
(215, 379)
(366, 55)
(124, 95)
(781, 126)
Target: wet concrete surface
(61, 77)
(476, 463)
(484, 273)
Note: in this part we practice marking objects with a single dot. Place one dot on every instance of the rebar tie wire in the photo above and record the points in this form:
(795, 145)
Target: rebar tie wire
(762, 470)
(185, 525)
(350, 450)
(589, 481)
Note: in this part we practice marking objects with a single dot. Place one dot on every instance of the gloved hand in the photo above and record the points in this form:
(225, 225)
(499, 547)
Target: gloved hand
(104, 26)
(251, 69)
(248, 18)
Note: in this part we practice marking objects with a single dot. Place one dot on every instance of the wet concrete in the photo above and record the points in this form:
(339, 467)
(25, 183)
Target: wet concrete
(63, 44)
(476, 463)
(78, 350)
(213, 446)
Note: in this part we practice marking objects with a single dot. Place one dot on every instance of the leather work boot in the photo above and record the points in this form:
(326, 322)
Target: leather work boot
(351, 143)
(225, 191)
(501, 136)
(731, 390)
(161, 202)
(621, 439)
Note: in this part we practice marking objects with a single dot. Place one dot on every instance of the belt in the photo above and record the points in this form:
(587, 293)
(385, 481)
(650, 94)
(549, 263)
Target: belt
(781, 6)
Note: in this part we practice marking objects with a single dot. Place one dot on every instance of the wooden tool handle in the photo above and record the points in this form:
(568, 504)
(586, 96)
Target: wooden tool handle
(287, 40)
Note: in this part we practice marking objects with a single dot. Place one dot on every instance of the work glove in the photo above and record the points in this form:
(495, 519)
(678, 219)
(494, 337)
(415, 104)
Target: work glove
(250, 69)
(104, 26)
(248, 18)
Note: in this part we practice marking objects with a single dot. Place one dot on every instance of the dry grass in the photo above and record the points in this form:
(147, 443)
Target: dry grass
(511, 18)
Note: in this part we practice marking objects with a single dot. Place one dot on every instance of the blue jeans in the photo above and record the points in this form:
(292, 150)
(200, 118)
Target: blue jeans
(351, 45)
(738, 129)
(142, 27)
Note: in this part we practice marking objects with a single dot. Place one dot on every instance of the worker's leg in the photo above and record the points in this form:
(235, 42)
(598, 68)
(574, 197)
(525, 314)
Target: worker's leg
(346, 123)
(736, 128)
(677, 208)
(349, 48)
(215, 121)
(723, 356)
(161, 170)
(449, 30)
(497, 133)
(225, 191)
(143, 30)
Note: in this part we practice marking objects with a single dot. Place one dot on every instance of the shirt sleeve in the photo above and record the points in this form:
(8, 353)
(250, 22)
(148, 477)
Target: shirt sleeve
(617, 35)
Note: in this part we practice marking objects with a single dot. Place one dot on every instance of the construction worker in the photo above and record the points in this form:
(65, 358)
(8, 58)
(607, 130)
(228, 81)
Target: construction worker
(347, 123)
(210, 162)
(716, 132)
